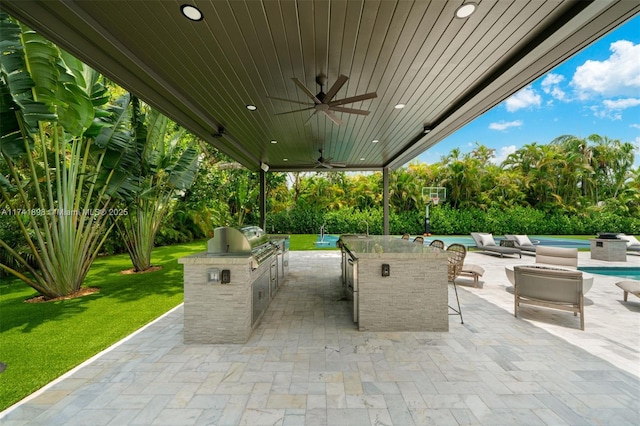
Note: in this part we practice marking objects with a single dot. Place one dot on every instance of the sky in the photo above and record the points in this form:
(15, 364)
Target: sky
(595, 91)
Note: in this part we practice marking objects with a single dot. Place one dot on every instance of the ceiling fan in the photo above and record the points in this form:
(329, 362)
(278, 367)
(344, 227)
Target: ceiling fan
(322, 102)
(326, 162)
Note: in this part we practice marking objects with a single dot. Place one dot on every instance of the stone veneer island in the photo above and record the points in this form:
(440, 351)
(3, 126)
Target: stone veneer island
(414, 297)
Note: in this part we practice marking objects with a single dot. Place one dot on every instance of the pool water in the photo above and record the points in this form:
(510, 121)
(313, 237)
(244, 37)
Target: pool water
(327, 240)
(535, 239)
(627, 272)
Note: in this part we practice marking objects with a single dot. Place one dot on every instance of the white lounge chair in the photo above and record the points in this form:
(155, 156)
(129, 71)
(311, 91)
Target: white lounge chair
(522, 242)
(633, 245)
(486, 243)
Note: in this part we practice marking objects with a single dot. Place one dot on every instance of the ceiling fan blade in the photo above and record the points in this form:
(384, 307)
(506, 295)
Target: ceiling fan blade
(305, 90)
(350, 110)
(326, 165)
(354, 99)
(288, 100)
(342, 79)
(295, 110)
(338, 164)
(333, 117)
(310, 117)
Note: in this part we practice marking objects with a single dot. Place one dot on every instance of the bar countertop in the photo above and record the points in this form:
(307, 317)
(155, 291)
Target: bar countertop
(376, 245)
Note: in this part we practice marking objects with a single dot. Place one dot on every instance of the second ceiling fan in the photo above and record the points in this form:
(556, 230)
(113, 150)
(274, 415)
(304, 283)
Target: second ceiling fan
(322, 102)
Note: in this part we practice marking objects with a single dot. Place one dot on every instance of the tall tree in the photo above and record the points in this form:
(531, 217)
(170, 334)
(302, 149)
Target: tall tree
(63, 156)
(162, 168)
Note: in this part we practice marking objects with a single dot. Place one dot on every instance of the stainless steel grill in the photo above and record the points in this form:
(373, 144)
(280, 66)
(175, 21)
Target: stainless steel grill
(246, 241)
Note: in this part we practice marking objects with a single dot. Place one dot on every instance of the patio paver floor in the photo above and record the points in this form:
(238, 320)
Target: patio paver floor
(306, 363)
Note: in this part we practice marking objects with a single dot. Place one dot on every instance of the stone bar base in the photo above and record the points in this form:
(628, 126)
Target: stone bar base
(413, 298)
(609, 250)
(214, 312)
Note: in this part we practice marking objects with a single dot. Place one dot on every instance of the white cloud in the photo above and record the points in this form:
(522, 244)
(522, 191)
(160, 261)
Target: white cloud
(525, 98)
(552, 80)
(551, 85)
(504, 125)
(620, 104)
(503, 154)
(635, 126)
(619, 75)
(612, 108)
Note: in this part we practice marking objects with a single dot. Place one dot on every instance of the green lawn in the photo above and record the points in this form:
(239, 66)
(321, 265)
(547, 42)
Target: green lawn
(305, 242)
(41, 341)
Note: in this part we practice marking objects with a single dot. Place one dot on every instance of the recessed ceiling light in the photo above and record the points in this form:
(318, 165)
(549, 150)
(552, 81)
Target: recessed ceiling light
(274, 141)
(252, 107)
(375, 141)
(362, 159)
(285, 159)
(465, 10)
(399, 106)
(191, 12)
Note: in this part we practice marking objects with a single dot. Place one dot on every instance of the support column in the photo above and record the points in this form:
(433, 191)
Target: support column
(385, 201)
(263, 200)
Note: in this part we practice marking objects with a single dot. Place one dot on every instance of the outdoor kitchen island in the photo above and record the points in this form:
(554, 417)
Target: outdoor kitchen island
(228, 288)
(395, 285)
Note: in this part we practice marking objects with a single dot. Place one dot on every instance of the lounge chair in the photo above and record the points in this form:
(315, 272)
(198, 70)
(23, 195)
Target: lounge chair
(633, 245)
(630, 286)
(486, 243)
(472, 271)
(522, 242)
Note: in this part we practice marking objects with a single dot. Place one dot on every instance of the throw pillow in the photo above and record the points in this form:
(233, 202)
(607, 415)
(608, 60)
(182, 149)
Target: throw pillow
(523, 240)
(487, 240)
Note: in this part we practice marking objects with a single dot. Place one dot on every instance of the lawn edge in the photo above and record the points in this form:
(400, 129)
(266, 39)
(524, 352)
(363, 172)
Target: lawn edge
(38, 392)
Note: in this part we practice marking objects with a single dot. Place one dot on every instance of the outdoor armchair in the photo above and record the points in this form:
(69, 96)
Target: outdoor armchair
(550, 288)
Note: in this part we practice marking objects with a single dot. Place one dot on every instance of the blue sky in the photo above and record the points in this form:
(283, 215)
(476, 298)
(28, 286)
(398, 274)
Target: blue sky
(595, 91)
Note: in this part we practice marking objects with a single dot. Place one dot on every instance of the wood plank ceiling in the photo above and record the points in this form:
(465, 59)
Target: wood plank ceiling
(446, 70)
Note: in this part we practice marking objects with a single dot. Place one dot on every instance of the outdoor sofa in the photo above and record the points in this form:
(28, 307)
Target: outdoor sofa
(487, 244)
(522, 242)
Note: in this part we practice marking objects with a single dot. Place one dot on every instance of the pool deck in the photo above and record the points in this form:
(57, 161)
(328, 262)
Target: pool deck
(306, 363)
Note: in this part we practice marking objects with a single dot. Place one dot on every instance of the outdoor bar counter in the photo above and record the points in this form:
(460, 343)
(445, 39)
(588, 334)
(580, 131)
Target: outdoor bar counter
(394, 284)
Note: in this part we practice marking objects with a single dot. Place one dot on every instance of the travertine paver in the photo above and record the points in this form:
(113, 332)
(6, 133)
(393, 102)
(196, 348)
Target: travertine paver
(307, 364)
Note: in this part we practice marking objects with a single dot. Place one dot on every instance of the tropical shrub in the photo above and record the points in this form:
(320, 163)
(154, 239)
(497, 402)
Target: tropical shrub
(161, 169)
(62, 152)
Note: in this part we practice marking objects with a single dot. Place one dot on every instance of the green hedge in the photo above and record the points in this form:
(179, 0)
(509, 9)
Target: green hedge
(448, 221)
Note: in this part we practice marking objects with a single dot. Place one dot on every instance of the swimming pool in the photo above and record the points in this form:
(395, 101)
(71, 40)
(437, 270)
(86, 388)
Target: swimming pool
(538, 240)
(628, 272)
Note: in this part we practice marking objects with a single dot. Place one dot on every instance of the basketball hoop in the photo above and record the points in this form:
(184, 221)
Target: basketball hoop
(431, 195)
